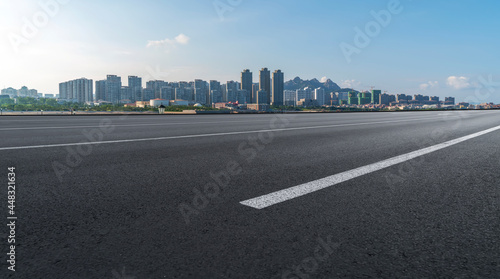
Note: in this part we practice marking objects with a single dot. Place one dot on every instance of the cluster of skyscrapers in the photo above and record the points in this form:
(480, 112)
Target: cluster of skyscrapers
(269, 90)
(22, 92)
(378, 98)
(309, 97)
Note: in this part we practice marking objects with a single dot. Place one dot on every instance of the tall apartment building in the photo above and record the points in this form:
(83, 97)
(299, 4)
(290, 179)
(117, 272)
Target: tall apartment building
(265, 83)
(100, 90)
(156, 86)
(353, 98)
(262, 97)
(80, 90)
(231, 91)
(376, 96)
(305, 93)
(113, 88)
(278, 86)
(319, 96)
(247, 82)
(135, 84)
(215, 95)
(201, 94)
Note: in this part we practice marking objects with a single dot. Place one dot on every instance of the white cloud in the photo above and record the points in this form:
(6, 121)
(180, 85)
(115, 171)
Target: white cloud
(350, 83)
(324, 79)
(167, 43)
(458, 82)
(430, 84)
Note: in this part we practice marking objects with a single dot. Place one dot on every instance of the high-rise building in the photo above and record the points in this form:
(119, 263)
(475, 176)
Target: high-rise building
(100, 90)
(9, 91)
(384, 99)
(179, 93)
(201, 91)
(376, 96)
(401, 98)
(278, 88)
(147, 94)
(352, 98)
(265, 83)
(255, 89)
(135, 84)
(289, 97)
(449, 101)
(168, 93)
(418, 97)
(262, 97)
(231, 91)
(126, 93)
(156, 86)
(215, 95)
(304, 94)
(33, 93)
(247, 82)
(113, 86)
(364, 98)
(23, 91)
(319, 96)
(79, 90)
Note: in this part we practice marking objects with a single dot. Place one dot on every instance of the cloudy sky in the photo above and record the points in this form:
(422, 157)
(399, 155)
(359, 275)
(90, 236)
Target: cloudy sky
(442, 48)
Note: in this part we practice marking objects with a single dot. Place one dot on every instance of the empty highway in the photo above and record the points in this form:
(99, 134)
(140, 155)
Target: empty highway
(360, 195)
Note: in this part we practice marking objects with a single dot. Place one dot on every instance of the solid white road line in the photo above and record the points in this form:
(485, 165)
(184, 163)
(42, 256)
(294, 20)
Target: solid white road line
(313, 186)
(207, 135)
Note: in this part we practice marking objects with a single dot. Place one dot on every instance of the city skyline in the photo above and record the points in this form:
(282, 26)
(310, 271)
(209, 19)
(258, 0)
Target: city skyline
(406, 55)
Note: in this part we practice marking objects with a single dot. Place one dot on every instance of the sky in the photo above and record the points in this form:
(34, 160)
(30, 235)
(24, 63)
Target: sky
(437, 48)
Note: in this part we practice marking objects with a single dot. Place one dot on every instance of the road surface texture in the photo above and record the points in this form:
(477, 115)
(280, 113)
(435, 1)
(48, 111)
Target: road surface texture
(385, 195)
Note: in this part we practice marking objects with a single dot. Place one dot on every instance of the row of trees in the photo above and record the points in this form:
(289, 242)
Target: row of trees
(47, 104)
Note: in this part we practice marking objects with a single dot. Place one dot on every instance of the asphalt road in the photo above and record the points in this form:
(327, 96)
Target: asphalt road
(160, 196)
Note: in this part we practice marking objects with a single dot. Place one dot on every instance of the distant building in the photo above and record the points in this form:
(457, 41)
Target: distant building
(258, 107)
(352, 98)
(113, 86)
(9, 91)
(33, 93)
(364, 98)
(201, 93)
(168, 93)
(242, 96)
(215, 95)
(156, 86)
(79, 90)
(262, 97)
(278, 88)
(434, 99)
(449, 101)
(376, 96)
(135, 84)
(384, 99)
(231, 90)
(126, 94)
(246, 83)
(265, 83)
(319, 96)
(305, 93)
(23, 92)
(158, 102)
(100, 90)
(418, 97)
(289, 97)
(147, 94)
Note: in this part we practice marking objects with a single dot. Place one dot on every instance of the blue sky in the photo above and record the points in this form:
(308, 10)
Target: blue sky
(442, 48)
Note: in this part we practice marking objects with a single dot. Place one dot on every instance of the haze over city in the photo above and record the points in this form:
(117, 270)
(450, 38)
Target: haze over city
(434, 48)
